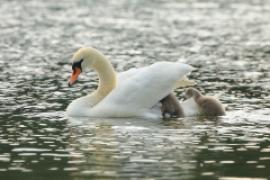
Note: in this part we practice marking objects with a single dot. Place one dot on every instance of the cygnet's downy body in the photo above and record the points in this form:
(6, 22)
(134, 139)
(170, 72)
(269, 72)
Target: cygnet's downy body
(209, 106)
(170, 107)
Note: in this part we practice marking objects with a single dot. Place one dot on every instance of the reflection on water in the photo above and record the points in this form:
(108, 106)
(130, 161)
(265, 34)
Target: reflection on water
(227, 41)
(123, 148)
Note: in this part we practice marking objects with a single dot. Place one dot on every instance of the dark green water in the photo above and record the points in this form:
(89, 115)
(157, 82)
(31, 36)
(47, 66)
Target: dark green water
(227, 41)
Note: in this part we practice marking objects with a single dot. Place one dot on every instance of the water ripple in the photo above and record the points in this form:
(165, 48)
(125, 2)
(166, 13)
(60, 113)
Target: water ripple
(227, 42)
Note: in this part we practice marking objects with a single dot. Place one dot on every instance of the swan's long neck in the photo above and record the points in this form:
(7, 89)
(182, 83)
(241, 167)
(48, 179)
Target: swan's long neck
(107, 77)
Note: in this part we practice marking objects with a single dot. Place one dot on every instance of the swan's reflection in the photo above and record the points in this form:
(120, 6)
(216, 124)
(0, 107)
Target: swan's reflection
(133, 147)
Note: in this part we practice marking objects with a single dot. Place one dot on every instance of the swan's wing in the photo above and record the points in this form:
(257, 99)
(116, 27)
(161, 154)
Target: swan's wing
(139, 90)
(123, 76)
(182, 82)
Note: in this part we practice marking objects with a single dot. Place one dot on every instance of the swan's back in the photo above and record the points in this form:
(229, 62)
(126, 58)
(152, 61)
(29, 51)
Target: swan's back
(141, 89)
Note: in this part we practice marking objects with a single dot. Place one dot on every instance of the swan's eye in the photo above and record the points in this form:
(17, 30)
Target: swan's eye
(77, 65)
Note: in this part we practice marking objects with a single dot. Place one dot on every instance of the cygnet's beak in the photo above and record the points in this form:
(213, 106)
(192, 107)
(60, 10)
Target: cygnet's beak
(74, 76)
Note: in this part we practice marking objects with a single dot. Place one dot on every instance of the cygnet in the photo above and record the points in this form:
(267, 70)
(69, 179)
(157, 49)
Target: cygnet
(170, 107)
(209, 106)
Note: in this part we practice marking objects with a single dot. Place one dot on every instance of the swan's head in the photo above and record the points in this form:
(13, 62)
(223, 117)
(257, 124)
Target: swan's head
(82, 60)
(191, 92)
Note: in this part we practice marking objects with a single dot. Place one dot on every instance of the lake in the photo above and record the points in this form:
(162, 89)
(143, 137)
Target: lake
(228, 42)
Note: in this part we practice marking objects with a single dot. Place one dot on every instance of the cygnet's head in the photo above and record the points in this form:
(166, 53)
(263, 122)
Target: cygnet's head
(191, 92)
(82, 60)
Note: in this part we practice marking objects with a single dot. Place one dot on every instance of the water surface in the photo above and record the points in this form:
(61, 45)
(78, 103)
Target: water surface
(227, 41)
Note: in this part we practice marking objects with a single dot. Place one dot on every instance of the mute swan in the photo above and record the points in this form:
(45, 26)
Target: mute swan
(208, 105)
(133, 93)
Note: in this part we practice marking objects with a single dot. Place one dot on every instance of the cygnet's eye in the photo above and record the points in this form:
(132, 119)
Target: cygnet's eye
(77, 64)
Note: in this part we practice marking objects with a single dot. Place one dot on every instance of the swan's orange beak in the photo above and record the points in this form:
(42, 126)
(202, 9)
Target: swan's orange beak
(74, 76)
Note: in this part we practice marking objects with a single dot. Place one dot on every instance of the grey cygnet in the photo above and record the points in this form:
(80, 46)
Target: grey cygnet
(209, 105)
(170, 107)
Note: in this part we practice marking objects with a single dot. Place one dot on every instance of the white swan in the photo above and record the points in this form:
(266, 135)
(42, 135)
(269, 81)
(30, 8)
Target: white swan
(133, 93)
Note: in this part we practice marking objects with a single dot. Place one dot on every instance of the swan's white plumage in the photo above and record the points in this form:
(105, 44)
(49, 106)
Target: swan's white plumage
(137, 91)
